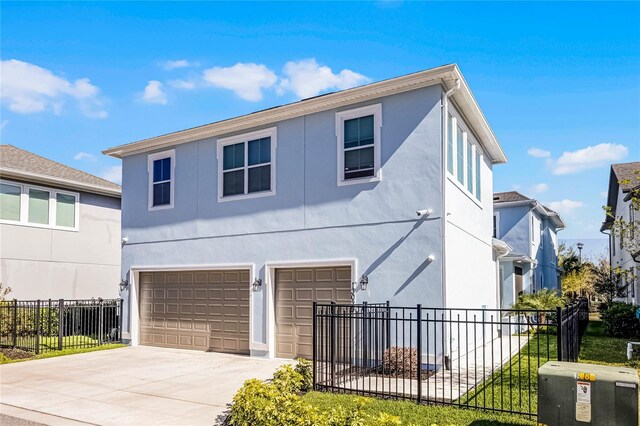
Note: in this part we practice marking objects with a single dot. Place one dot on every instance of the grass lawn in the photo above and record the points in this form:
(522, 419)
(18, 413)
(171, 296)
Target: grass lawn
(597, 348)
(51, 343)
(4, 359)
(412, 413)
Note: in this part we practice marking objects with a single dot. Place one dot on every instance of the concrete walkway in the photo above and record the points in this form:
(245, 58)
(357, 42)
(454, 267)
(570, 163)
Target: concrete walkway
(127, 386)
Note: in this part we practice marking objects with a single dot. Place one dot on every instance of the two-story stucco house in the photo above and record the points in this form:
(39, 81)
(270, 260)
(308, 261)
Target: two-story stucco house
(59, 229)
(235, 227)
(531, 232)
(623, 180)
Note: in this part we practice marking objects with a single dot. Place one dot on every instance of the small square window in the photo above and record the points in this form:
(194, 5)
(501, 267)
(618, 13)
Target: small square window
(10, 202)
(39, 206)
(358, 133)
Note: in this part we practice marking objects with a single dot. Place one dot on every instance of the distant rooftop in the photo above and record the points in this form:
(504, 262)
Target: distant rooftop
(508, 197)
(626, 174)
(25, 165)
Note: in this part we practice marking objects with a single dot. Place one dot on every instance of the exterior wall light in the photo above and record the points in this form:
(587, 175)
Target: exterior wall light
(256, 284)
(364, 282)
(123, 285)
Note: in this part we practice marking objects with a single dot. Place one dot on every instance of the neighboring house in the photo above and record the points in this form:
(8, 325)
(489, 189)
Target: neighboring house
(623, 179)
(235, 227)
(530, 230)
(59, 229)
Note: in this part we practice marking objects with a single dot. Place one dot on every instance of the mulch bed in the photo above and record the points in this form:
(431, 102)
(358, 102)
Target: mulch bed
(16, 353)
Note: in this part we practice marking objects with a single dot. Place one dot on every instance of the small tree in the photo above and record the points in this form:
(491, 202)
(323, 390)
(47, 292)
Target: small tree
(607, 281)
(579, 282)
(543, 300)
(627, 231)
(4, 291)
(568, 260)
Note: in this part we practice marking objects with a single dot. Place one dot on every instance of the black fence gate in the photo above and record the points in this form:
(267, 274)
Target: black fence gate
(48, 325)
(477, 358)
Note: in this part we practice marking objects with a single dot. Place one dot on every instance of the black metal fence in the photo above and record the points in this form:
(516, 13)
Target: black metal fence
(476, 358)
(48, 325)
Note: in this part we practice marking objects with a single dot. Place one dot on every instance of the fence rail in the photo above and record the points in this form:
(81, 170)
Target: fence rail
(476, 358)
(49, 325)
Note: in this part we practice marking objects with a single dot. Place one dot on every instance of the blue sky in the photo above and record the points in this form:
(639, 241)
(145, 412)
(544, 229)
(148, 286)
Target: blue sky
(559, 82)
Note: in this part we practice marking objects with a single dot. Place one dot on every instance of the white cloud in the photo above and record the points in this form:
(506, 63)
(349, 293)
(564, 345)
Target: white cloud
(565, 206)
(84, 156)
(538, 153)
(180, 63)
(182, 84)
(4, 124)
(28, 88)
(306, 78)
(246, 80)
(154, 93)
(540, 188)
(112, 173)
(588, 158)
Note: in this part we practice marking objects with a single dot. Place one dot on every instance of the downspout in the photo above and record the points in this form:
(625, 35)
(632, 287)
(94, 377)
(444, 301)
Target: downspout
(444, 108)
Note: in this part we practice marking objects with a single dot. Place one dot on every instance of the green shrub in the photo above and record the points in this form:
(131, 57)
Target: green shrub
(305, 369)
(620, 320)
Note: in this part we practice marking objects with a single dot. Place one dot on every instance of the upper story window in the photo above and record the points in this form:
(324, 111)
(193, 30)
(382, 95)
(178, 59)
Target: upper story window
(496, 225)
(464, 159)
(246, 165)
(358, 133)
(160, 167)
(24, 204)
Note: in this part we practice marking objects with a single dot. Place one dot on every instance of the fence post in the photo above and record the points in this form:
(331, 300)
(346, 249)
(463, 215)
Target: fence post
(38, 326)
(314, 342)
(119, 321)
(419, 350)
(333, 343)
(100, 322)
(60, 323)
(559, 331)
(389, 326)
(365, 337)
(49, 320)
(15, 323)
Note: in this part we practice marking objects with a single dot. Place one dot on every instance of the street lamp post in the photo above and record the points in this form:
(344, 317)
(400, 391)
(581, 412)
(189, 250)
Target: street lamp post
(580, 247)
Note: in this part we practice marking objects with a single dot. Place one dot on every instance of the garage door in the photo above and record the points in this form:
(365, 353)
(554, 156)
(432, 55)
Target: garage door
(296, 289)
(202, 310)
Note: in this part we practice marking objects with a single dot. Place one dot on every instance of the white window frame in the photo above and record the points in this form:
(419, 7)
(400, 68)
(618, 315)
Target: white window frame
(272, 133)
(458, 125)
(341, 117)
(150, 159)
(53, 199)
(496, 215)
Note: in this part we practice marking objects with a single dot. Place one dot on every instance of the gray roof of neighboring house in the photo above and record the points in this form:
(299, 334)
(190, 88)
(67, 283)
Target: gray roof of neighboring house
(508, 197)
(27, 166)
(519, 199)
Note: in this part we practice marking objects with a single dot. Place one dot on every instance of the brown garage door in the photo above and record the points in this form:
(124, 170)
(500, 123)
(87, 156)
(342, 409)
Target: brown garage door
(203, 310)
(296, 289)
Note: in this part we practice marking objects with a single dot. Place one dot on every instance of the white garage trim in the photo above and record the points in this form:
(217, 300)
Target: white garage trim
(134, 291)
(270, 280)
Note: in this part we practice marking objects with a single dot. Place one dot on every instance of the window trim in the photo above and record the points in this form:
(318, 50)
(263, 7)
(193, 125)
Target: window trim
(171, 153)
(53, 200)
(341, 117)
(271, 132)
(468, 139)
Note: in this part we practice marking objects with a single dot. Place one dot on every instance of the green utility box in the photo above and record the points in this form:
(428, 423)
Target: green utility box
(571, 393)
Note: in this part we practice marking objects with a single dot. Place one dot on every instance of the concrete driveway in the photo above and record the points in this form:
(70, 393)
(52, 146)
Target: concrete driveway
(133, 385)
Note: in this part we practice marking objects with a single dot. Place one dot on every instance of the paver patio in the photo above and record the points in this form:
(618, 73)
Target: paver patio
(132, 385)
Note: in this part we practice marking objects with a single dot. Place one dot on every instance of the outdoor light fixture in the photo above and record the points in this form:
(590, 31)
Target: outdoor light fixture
(364, 282)
(257, 284)
(431, 258)
(123, 285)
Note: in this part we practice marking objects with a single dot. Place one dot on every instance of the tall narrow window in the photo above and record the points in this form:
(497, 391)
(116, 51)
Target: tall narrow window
(38, 206)
(358, 134)
(469, 166)
(496, 223)
(161, 180)
(460, 156)
(247, 165)
(478, 170)
(10, 202)
(65, 210)
(450, 144)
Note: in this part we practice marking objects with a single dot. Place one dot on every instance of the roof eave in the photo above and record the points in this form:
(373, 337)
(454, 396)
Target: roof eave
(65, 183)
(445, 75)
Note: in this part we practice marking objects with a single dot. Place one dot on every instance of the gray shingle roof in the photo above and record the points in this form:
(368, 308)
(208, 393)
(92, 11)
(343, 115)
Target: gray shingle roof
(18, 160)
(510, 196)
(625, 174)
